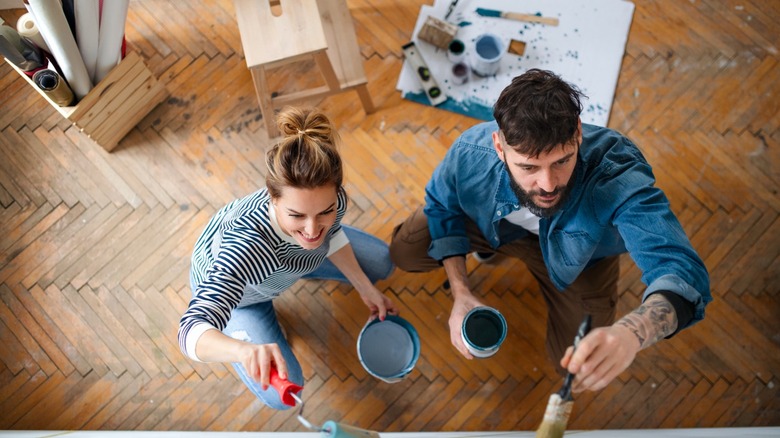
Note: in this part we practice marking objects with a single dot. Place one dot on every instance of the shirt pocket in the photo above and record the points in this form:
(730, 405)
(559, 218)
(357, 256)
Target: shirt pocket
(573, 249)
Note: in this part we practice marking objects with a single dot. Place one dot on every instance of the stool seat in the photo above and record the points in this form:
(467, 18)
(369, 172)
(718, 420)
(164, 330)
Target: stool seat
(306, 29)
(269, 40)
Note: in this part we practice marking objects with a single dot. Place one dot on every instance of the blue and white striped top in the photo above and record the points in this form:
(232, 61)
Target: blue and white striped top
(242, 258)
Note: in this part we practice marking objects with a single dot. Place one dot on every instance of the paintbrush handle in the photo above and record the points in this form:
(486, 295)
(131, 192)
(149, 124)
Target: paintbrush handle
(530, 18)
(582, 331)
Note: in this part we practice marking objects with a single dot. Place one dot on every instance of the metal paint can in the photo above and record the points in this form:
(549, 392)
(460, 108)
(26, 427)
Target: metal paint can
(456, 51)
(487, 54)
(483, 330)
(460, 73)
(388, 349)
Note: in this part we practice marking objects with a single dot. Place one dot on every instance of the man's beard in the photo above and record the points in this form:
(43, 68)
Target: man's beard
(526, 198)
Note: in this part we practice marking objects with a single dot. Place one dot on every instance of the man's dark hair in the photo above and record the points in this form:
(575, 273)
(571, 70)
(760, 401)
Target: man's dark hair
(537, 112)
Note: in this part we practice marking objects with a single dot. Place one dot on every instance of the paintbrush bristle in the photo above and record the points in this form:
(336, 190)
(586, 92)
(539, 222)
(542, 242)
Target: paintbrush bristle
(555, 418)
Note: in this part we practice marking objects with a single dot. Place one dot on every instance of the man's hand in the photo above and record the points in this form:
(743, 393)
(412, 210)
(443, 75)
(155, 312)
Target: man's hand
(460, 308)
(606, 352)
(600, 357)
(462, 300)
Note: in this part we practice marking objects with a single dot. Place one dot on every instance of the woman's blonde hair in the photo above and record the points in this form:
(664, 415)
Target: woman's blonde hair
(306, 157)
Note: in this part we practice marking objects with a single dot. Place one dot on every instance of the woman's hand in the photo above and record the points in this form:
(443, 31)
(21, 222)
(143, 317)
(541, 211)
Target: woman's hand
(258, 359)
(378, 303)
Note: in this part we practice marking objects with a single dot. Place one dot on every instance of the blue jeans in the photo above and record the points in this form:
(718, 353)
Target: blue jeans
(258, 324)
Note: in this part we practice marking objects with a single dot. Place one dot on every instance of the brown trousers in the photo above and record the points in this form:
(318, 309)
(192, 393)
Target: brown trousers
(594, 291)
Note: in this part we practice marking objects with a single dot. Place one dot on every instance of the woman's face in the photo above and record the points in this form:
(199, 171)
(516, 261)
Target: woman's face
(306, 214)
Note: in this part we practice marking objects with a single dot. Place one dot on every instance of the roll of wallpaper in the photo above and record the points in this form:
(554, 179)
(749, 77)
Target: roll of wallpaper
(28, 60)
(12, 35)
(27, 28)
(11, 53)
(55, 88)
(112, 32)
(70, 15)
(87, 32)
(54, 28)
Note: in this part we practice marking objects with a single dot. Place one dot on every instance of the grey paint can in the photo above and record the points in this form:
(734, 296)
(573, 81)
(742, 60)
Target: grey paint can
(388, 349)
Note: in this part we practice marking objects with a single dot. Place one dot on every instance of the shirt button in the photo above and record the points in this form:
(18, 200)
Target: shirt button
(498, 213)
(516, 206)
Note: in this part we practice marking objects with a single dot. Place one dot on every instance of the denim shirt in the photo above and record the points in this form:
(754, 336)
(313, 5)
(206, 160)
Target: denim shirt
(613, 208)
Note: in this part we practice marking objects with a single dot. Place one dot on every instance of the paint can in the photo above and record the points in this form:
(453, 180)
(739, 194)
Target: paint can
(460, 73)
(483, 330)
(456, 51)
(388, 349)
(487, 54)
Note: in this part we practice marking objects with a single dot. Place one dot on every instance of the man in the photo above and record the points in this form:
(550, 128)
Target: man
(566, 198)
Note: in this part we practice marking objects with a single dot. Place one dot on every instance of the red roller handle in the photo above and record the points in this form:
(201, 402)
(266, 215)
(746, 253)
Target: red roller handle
(284, 387)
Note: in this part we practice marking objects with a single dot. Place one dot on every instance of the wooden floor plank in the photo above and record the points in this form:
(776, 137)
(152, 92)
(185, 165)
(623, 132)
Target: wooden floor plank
(55, 249)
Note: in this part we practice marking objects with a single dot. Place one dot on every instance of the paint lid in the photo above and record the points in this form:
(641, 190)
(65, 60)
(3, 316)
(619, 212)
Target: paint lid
(388, 349)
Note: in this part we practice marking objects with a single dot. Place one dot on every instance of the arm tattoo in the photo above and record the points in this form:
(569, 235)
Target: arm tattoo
(654, 320)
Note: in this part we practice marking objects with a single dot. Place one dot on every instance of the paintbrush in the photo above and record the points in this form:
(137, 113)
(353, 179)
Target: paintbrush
(559, 406)
(531, 18)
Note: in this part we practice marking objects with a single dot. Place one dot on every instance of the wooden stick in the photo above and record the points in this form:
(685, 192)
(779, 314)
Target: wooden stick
(552, 21)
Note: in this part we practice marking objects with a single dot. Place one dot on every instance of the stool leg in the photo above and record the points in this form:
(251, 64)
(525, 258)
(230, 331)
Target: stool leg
(323, 62)
(365, 99)
(264, 100)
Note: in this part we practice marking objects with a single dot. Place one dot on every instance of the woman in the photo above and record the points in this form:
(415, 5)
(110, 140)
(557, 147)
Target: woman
(256, 247)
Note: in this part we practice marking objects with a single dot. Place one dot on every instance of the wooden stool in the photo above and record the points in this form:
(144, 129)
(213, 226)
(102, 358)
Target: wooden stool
(306, 29)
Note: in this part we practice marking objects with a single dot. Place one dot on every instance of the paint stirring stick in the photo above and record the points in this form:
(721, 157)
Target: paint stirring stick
(559, 406)
(530, 18)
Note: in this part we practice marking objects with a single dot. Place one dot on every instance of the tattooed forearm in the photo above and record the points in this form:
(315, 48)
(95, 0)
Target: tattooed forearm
(654, 320)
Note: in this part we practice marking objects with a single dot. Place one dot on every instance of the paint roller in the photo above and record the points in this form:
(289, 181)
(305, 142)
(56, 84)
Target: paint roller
(289, 394)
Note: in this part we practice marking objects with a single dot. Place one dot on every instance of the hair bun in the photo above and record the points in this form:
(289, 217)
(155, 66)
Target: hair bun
(305, 122)
(307, 155)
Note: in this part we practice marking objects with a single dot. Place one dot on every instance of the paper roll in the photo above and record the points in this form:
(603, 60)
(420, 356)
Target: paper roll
(54, 87)
(87, 32)
(112, 31)
(54, 28)
(27, 28)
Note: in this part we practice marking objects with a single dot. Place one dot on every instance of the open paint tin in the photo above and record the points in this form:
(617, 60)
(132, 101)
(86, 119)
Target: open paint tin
(483, 331)
(487, 54)
(388, 349)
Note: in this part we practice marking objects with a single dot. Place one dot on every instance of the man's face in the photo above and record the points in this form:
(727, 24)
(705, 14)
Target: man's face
(540, 183)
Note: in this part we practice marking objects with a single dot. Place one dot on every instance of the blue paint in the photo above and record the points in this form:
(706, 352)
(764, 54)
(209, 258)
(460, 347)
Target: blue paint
(464, 24)
(487, 48)
(468, 108)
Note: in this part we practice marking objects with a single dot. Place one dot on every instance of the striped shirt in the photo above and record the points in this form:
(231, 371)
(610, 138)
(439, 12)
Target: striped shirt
(242, 258)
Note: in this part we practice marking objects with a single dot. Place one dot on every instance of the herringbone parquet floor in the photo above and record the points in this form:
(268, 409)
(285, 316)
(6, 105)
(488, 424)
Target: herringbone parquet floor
(94, 247)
